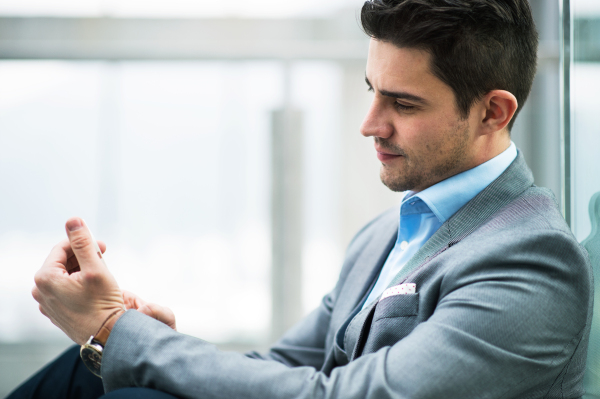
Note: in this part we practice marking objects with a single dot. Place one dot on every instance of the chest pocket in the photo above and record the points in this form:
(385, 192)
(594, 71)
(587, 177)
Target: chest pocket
(395, 317)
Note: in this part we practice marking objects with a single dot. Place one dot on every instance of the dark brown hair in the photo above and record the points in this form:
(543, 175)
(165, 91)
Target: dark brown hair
(476, 45)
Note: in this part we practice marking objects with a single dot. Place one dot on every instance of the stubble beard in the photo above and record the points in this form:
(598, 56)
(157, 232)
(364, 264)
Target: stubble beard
(418, 173)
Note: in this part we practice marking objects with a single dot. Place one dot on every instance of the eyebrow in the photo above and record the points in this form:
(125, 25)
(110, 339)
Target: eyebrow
(401, 94)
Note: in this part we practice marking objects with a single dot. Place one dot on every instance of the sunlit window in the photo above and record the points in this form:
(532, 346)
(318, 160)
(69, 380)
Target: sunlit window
(169, 163)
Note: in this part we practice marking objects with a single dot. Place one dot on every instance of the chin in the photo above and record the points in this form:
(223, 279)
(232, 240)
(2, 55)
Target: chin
(396, 185)
(400, 182)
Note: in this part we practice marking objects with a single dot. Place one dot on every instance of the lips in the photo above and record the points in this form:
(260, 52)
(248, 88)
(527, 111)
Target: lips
(384, 155)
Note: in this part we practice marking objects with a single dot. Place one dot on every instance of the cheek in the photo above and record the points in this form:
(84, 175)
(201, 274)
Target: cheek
(425, 137)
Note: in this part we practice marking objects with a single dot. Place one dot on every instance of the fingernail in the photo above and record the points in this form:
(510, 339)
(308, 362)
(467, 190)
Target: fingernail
(74, 224)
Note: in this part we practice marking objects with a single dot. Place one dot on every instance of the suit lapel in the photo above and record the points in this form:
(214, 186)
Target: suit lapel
(508, 186)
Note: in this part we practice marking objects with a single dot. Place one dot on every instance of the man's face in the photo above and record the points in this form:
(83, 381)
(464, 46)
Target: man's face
(420, 137)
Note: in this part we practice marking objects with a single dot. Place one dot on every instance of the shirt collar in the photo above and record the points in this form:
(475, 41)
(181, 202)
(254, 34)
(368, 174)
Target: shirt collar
(445, 198)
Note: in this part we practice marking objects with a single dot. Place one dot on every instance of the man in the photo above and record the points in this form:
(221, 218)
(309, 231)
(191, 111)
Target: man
(477, 290)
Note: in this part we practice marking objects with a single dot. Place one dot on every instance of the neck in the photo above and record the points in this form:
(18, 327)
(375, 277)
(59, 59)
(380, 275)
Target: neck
(490, 147)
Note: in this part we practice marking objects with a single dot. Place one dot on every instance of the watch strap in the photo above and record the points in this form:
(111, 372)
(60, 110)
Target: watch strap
(102, 335)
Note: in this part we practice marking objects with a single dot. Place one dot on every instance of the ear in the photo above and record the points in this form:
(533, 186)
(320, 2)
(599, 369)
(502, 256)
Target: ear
(499, 106)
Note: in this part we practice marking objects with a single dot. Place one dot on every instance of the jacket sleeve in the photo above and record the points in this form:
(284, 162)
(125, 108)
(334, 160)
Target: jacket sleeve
(500, 329)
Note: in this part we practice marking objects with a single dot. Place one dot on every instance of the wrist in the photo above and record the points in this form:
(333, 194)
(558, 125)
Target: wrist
(104, 331)
(91, 352)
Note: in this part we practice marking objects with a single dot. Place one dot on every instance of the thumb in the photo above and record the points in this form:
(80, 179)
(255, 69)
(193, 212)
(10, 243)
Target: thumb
(84, 246)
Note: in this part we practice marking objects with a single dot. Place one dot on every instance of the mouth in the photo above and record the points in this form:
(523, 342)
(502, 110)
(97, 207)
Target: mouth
(384, 155)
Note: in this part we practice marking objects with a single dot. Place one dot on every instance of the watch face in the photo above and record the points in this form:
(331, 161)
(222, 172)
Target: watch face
(92, 358)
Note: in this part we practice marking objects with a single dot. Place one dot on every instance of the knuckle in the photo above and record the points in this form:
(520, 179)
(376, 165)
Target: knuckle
(40, 279)
(92, 276)
(79, 242)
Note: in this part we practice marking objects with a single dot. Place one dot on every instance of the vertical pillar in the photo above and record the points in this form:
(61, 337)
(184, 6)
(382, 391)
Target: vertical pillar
(566, 58)
(286, 227)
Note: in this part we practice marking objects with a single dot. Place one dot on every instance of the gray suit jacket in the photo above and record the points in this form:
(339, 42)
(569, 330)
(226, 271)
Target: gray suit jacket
(502, 310)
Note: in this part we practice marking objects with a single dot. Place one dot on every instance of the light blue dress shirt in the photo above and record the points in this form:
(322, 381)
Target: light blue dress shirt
(421, 214)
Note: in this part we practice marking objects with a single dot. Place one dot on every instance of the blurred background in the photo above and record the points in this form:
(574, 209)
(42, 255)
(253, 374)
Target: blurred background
(214, 147)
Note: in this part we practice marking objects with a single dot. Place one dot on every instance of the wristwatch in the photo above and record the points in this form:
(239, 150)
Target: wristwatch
(91, 351)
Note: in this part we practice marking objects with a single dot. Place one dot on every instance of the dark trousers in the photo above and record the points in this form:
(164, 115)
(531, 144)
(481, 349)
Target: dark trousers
(68, 378)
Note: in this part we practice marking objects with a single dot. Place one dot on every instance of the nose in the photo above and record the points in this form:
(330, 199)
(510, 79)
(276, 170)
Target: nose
(376, 124)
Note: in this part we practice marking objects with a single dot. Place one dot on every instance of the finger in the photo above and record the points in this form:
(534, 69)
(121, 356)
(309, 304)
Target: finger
(160, 313)
(66, 245)
(55, 266)
(89, 256)
(169, 317)
(72, 264)
(59, 255)
(132, 301)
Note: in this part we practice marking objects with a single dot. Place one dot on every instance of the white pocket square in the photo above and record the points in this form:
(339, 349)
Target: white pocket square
(402, 289)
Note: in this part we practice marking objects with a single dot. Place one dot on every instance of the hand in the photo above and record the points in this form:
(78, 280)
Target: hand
(74, 288)
(160, 313)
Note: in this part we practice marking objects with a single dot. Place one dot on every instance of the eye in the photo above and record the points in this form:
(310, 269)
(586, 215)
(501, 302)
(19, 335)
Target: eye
(403, 107)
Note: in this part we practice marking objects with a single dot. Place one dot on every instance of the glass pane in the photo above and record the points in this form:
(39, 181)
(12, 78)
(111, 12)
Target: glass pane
(167, 162)
(177, 8)
(585, 142)
(49, 114)
(585, 102)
